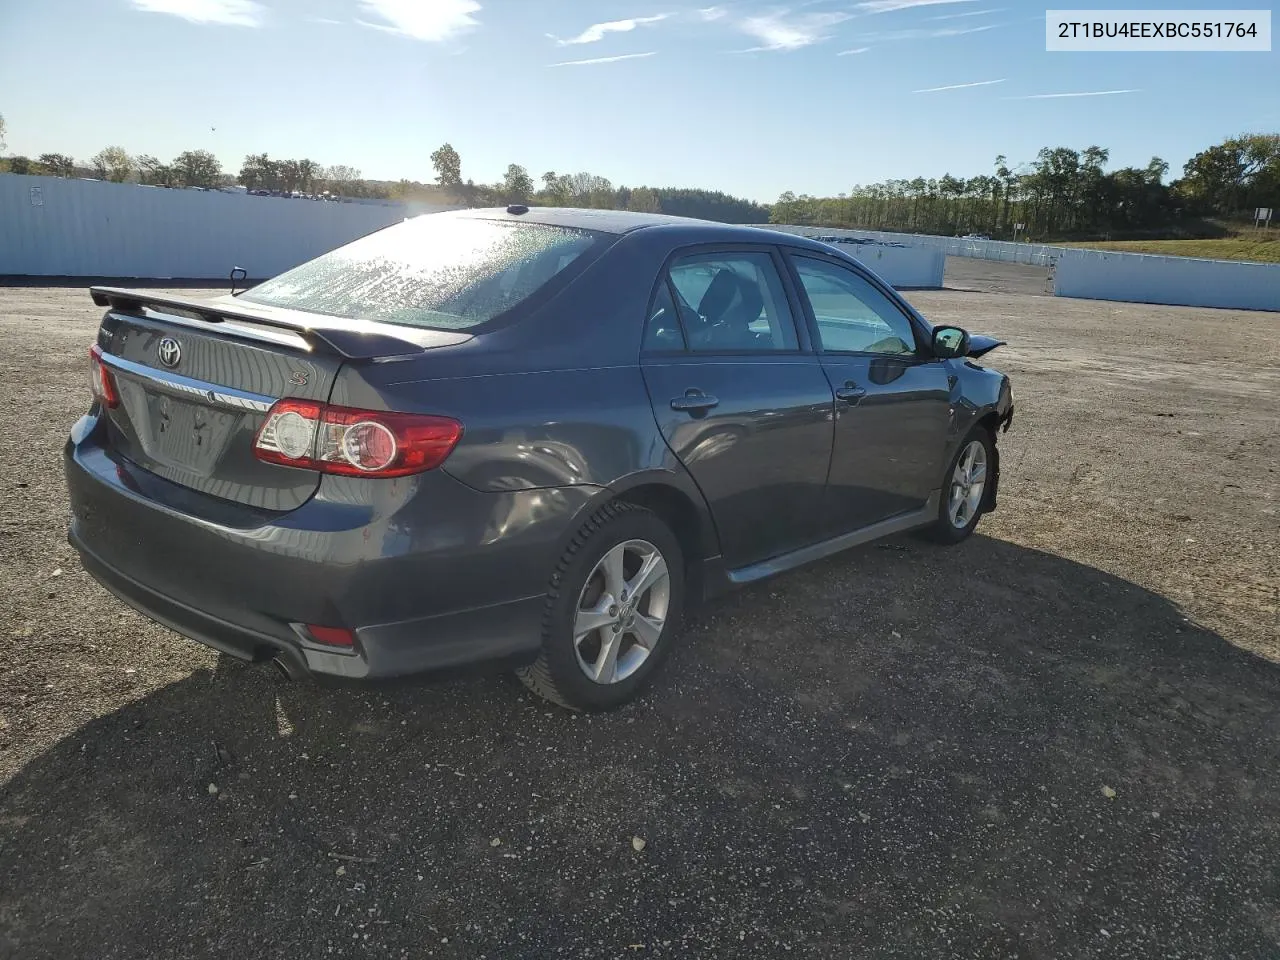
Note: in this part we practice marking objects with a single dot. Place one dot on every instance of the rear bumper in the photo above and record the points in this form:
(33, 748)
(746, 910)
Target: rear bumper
(502, 633)
(429, 574)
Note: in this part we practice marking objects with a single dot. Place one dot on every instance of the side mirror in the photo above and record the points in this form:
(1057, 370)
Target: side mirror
(950, 342)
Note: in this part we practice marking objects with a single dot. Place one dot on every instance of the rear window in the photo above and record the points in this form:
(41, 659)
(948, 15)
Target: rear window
(445, 273)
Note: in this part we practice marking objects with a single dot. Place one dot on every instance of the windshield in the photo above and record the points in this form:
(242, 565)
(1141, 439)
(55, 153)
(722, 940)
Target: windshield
(442, 272)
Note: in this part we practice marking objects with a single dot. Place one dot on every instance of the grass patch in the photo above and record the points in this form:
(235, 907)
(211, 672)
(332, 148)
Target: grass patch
(1230, 248)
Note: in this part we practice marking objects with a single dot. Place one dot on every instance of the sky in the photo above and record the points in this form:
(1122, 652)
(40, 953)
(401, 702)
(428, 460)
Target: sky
(753, 98)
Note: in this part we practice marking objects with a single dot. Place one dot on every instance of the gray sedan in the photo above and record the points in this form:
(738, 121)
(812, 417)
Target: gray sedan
(525, 438)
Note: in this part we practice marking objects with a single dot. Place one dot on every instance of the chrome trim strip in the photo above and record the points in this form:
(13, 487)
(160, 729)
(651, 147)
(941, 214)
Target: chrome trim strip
(212, 393)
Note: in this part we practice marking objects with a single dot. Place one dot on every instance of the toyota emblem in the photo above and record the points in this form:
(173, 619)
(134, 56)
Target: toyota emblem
(169, 352)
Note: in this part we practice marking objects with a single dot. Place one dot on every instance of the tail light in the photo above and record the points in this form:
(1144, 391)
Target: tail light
(101, 381)
(354, 443)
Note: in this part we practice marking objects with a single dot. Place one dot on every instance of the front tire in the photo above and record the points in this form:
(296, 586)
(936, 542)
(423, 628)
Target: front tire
(964, 489)
(613, 607)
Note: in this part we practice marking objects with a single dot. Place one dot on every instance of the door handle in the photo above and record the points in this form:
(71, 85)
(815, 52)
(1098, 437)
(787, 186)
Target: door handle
(694, 401)
(850, 392)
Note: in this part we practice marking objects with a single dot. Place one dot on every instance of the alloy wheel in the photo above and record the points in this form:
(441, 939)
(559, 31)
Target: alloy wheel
(621, 611)
(968, 481)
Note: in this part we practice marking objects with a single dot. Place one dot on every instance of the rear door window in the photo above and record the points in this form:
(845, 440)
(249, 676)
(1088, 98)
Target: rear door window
(733, 302)
(662, 332)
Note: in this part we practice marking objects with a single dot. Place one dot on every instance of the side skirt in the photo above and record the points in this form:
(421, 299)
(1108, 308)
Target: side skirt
(717, 580)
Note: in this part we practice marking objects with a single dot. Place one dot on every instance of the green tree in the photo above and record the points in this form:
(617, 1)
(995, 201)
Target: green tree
(517, 185)
(337, 179)
(448, 166)
(644, 200)
(290, 175)
(24, 165)
(57, 165)
(151, 171)
(4, 128)
(112, 163)
(1234, 176)
(308, 173)
(197, 168)
(259, 172)
(555, 190)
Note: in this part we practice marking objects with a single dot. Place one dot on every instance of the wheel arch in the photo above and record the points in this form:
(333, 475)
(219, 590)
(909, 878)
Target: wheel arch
(677, 500)
(991, 422)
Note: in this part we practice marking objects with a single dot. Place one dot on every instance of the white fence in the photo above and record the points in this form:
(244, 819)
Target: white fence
(1105, 274)
(905, 267)
(1035, 254)
(1182, 281)
(52, 227)
(57, 227)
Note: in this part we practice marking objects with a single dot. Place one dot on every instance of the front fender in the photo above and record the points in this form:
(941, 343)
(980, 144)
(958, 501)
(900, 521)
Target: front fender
(979, 395)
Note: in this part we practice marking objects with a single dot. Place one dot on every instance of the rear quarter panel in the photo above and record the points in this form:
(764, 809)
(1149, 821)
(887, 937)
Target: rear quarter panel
(553, 399)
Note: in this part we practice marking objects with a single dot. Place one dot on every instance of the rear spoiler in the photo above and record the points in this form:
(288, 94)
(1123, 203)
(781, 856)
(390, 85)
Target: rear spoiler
(348, 338)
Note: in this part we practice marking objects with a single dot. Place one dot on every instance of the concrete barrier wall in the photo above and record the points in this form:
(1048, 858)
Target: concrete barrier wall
(51, 226)
(1182, 281)
(901, 266)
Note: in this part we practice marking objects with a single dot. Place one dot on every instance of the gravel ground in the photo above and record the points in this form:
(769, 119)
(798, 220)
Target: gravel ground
(1058, 739)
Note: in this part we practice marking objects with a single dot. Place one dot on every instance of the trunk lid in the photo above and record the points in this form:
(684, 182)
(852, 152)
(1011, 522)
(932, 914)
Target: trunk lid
(196, 379)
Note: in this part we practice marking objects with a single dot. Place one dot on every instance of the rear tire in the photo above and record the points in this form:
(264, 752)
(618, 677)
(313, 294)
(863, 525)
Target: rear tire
(601, 644)
(964, 489)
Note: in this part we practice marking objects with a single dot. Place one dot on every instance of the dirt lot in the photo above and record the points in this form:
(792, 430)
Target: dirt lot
(1058, 739)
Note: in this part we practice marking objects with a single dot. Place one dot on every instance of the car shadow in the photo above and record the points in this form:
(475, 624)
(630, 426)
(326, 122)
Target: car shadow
(904, 751)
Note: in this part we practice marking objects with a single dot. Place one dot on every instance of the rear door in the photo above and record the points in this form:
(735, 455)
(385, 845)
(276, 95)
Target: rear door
(191, 400)
(740, 399)
(892, 398)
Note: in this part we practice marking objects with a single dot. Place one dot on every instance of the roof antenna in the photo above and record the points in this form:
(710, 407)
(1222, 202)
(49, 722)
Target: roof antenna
(243, 274)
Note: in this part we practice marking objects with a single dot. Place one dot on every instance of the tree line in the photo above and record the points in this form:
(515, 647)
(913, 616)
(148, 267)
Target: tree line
(1063, 193)
(583, 189)
(200, 168)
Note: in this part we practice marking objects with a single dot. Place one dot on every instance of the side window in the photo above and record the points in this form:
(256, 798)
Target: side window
(733, 302)
(662, 331)
(853, 316)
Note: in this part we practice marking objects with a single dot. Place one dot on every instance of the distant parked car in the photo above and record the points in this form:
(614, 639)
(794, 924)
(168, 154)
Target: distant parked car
(524, 437)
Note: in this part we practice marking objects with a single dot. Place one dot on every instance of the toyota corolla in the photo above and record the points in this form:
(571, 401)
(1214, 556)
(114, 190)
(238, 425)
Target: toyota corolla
(529, 438)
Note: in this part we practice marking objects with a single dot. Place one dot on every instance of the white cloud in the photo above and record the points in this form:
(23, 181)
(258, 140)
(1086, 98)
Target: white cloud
(929, 33)
(625, 56)
(888, 6)
(711, 14)
(235, 13)
(850, 53)
(597, 31)
(958, 86)
(430, 20)
(969, 13)
(326, 20)
(1057, 96)
(779, 31)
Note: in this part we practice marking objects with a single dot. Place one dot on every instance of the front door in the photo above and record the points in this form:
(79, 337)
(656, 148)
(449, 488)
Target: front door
(746, 411)
(892, 398)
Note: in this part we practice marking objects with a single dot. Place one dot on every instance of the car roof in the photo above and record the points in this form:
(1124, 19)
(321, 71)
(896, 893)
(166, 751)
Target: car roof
(682, 230)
